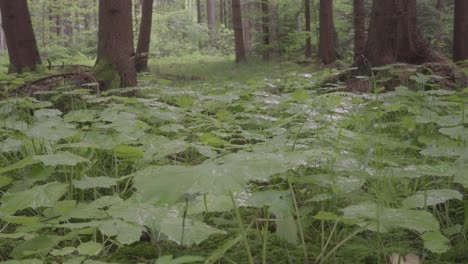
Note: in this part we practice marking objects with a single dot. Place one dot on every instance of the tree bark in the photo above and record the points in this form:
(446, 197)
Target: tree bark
(308, 47)
(199, 12)
(359, 28)
(144, 38)
(115, 43)
(238, 30)
(327, 45)
(266, 29)
(460, 41)
(19, 34)
(210, 10)
(393, 35)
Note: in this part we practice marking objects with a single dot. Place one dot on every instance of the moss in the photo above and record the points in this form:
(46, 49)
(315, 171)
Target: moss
(108, 74)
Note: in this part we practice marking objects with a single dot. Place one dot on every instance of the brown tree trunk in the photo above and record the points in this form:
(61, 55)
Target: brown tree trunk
(210, 10)
(144, 38)
(19, 34)
(115, 43)
(460, 41)
(308, 47)
(221, 11)
(238, 30)
(199, 12)
(327, 45)
(266, 29)
(440, 6)
(393, 35)
(359, 28)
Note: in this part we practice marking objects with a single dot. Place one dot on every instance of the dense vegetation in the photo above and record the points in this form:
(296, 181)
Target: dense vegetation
(276, 159)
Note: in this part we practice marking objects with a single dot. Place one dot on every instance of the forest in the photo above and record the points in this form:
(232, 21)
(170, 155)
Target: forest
(234, 131)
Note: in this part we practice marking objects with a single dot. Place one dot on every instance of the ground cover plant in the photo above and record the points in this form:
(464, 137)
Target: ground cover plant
(275, 169)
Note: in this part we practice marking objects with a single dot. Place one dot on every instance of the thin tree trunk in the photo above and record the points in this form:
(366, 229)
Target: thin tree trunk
(266, 29)
(440, 4)
(359, 28)
(460, 41)
(210, 10)
(238, 30)
(144, 38)
(19, 34)
(115, 43)
(327, 45)
(308, 47)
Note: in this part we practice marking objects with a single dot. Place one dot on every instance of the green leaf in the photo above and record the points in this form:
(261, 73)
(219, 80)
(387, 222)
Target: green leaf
(193, 233)
(126, 233)
(128, 152)
(63, 251)
(382, 219)
(431, 197)
(326, 216)
(10, 145)
(212, 140)
(63, 158)
(435, 242)
(39, 245)
(4, 181)
(94, 182)
(24, 261)
(19, 165)
(181, 260)
(89, 248)
(39, 196)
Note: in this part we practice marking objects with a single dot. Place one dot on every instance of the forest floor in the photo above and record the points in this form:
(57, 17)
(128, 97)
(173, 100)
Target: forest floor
(215, 162)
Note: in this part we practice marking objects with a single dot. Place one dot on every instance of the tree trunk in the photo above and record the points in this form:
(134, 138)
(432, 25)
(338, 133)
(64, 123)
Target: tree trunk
(141, 61)
(308, 47)
(359, 28)
(115, 44)
(393, 35)
(460, 41)
(266, 29)
(238, 30)
(440, 6)
(327, 45)
(246, 25)
(210, 10)
(199, 12)
(19, 34)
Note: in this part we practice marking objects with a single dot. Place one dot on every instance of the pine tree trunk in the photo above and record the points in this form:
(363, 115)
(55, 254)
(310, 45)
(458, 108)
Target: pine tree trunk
(308, 47)
(210, 10)
(359, 28)
(115, 44)
(266, 29)
(327, 45)
(460, 41)
(19, 34)
(238, 30)
(144, 38)
(393, 34)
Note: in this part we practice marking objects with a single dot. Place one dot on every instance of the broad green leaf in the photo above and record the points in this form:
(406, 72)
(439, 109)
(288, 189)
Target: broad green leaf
(194, 231)
(126, 233)
(10, 145)
(128, 152)
(24, 261)
(326, 216)
(21, 220)
(63, 158)
(89, 248)
(382, 219)
(94, 182)
(180, 260)
(19, 165)
(63, 251)
(431, 197)
(4, 181)
(457, 133)
(435, 242)
(461, 174)
(212, 140)
(52, 130)
(39, 196)
(39, 245)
